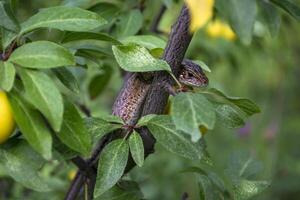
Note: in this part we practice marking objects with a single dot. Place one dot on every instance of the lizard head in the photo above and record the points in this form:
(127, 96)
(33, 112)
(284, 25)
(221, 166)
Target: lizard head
(192, 75)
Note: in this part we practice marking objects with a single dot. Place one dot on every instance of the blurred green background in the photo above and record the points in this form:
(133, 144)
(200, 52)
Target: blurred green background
(266, 71)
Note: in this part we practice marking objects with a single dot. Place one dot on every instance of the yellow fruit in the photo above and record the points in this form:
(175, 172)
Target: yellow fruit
(218, 29)
(201, 12)
(72, 174)
(228, 33)
(7, 122)
(214, 29)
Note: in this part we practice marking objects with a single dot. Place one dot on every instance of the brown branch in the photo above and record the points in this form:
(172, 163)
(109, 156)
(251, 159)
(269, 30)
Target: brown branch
(76, 186)
(157, 98)
(84, 166)
(6, 55)
(91, 162)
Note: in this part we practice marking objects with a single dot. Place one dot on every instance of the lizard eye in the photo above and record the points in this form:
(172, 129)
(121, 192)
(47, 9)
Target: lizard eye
(189, 75)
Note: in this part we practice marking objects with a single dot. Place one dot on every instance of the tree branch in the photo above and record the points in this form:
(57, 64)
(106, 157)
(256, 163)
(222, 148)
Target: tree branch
(75, 187)
(157, 98)
(156, 101)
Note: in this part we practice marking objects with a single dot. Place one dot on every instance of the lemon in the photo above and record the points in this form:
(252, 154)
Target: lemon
(7, 122)
(201, 12)
(228, 33)
(214, 29)
(219, 29)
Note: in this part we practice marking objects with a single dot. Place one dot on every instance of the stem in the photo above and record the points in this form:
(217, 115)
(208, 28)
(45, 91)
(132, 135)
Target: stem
(176, 80)
(6, 55)
(75, 187)
(86, 196)
(155, 24)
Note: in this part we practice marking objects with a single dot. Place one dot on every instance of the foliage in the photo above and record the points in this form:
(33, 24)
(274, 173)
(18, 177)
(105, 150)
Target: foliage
(59, 68)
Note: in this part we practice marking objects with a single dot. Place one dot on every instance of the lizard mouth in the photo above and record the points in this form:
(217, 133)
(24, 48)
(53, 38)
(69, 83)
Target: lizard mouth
(194, 81)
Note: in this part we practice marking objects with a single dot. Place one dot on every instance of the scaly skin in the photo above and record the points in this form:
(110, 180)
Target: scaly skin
(133, 94)
(131, 98)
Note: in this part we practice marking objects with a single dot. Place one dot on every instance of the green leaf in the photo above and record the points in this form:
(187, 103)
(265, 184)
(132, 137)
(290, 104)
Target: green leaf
(245, 105)
(75, 3)
(107, 10)
(32, 125)
(148, 41)
(73, 132)
(136, 148)
(113, 119)
(242, 165)
(74, 36)
(99, 127)
(91, 54)
(22, 164)
(240, 168)
(125, 190)
(212, 176)
(202, 65)
(63, 150)
(207, 190)
(63, 18)
(230, 116)
(112, 163)
(42, 54)
(143, 121)
(135, 58)
(241, 15)
(168, 3)
(246, 189)
(8, 20)
(67, 78)
(7, 75)
(164, 131)
(289, 7)
(189, 111)
(130, 23)
(271, 17)
(7, 37)
(44, 95)
(157, 52)
(99, 81)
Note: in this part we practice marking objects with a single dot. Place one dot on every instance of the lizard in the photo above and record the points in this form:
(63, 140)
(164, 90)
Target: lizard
(135, 89)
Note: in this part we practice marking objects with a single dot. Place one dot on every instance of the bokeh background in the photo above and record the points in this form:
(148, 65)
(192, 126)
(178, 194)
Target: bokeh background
(266, 71)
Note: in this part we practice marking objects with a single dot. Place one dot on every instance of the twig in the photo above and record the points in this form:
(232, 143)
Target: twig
(156, 21)
(84, 166)
(6, 55)
(185, 196)
(75, 187)
(84, 109)
(91, 162)
(142, 5)
(91, 187)
(80, 163)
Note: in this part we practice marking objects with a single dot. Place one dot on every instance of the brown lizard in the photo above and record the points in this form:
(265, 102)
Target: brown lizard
(132, 96)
